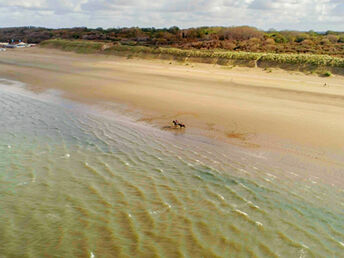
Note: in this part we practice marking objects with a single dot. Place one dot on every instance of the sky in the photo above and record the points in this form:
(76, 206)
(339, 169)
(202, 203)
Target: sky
(318, 15)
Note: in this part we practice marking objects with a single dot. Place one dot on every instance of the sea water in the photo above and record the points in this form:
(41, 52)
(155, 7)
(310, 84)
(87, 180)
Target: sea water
(79, 182)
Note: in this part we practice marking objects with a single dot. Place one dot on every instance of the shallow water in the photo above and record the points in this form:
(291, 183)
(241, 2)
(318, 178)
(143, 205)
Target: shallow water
(76, 181)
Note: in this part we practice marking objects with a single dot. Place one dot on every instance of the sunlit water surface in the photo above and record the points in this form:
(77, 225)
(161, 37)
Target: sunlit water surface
(78, 182)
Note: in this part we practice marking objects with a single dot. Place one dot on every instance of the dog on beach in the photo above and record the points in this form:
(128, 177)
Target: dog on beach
(176, 124)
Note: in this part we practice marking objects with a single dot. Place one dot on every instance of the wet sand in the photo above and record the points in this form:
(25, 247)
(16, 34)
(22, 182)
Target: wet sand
(245, 106)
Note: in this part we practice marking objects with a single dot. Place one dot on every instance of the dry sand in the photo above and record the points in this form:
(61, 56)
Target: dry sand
(246, 106)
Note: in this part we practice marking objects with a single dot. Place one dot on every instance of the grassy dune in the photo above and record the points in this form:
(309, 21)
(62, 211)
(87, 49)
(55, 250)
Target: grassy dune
(78, 46)
(304, 62)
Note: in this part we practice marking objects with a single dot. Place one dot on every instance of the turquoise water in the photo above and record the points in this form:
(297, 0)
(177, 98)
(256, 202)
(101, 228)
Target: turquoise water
(76, 181)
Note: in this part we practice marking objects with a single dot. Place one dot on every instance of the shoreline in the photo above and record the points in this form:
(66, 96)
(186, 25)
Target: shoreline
(296, 161)
(243, 106)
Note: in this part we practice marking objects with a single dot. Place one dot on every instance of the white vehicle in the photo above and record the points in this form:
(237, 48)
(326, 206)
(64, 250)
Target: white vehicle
(21, 44)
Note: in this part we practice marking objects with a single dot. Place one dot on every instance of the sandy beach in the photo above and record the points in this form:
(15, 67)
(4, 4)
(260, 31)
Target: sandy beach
(245, 106)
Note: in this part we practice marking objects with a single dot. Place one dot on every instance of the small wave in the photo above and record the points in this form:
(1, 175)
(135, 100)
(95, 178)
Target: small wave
(253, 205)
(244, 186)
(294, 174)
(304, 246)
(221, 197)
(160, 170)
(259, 224)
(243, 170)
(160, 211)
(66, 156)
(23, 183)
(270, 175)
(241, 212)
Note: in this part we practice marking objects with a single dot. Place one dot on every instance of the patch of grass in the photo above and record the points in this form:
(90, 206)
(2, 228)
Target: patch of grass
(78, 46)
(327, 74)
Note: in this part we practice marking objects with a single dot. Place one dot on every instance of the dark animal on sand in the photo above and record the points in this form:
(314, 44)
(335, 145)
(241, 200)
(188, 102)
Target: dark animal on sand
(176, 123)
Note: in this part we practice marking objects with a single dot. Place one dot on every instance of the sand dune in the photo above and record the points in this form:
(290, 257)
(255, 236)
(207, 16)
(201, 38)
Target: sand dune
(245, 106)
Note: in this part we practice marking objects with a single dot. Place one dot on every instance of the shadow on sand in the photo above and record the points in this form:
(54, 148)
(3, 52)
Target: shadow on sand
(174, 129)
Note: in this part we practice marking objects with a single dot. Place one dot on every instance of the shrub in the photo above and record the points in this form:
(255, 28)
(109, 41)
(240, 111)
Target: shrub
(301, 37)
(269, 41)
(332, 38)
(327, 74)
(240, 33)
(307, 42)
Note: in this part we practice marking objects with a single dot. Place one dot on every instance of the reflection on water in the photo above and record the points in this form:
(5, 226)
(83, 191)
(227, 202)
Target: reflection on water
(77, 183)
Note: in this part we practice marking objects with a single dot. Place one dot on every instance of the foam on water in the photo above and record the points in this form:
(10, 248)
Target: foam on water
(78, 182)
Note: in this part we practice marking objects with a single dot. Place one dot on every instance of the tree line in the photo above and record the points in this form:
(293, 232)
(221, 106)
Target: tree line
(241, 38)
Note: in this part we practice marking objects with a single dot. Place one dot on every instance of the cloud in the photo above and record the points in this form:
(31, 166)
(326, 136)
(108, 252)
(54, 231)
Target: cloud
(265, 14)
(338, 9)
(262, 5)
(108, 5)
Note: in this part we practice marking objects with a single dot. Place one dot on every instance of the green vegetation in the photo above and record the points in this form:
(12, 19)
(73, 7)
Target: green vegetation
(242, 38)
(327, 74)
(300, 59)
(270, 59)
(78, 46)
